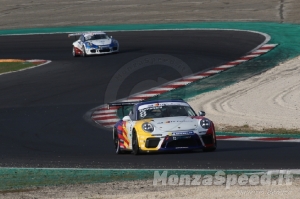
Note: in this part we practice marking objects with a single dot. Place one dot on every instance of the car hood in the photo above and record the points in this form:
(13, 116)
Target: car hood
(172, 124)
(100, 42)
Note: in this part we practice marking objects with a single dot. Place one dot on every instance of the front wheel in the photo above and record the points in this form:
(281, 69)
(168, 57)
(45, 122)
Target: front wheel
(135, 144)
(74, 52)
(117, 142)
(83, 52)
(211, 149)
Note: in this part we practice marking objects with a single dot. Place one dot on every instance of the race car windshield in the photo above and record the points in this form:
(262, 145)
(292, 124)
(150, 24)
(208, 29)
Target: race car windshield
(96, 37)
(165, 111)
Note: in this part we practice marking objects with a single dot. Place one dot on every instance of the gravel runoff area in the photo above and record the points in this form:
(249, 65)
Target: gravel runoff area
(45, 13)
(266, 100)
(146, 189)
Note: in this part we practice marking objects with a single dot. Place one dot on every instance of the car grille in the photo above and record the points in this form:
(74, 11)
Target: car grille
(152, 142)
(104, 50)
(187, 142)
(207, 139)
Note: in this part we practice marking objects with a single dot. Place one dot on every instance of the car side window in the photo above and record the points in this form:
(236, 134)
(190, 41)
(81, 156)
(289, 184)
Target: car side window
(131, 115)
(81, 38)
(190, 112)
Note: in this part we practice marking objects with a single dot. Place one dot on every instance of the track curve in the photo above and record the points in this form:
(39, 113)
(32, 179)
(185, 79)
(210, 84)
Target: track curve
(41, 110)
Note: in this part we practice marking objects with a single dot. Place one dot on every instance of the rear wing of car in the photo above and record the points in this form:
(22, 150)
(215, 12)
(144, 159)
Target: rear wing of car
(121, 105)
(81, 33)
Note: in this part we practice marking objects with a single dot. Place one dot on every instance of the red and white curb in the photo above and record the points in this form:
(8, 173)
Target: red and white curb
(38, 62)
(262, 139)
(108, 118)
(195, 77)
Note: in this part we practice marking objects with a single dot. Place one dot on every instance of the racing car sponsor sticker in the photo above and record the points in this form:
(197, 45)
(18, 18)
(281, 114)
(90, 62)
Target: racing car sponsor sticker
(162, 104)
(157, 134)
(183, 133)
(180, 121)
(181, 137)
(143, 112)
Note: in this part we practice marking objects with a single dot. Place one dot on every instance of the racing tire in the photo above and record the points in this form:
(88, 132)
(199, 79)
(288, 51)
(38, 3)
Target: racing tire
(117, 144)
(135, 144)
(74, 52)
(83, 52)
(211, 149)
(118, 149)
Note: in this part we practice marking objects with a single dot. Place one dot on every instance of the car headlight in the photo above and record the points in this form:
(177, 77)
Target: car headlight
(148, 127)
(205, 123)
(114, 41)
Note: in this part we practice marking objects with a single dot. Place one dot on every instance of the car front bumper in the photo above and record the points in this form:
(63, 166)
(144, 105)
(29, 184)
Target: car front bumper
(176, 143)
(102, 50)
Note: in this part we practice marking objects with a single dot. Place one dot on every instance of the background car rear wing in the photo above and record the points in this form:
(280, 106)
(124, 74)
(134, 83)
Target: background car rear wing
(81, 33)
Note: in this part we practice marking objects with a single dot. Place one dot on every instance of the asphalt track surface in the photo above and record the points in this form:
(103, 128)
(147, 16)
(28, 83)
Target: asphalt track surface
(42, 110)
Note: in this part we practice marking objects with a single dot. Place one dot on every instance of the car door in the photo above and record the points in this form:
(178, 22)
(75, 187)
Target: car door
(129, 124)
(81, 42)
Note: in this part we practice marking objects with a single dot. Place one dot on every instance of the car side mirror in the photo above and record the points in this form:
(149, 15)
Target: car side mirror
(126, 118)
(201, 113)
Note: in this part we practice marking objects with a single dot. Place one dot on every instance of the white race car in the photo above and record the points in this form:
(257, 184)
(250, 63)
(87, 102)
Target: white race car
(94, 43)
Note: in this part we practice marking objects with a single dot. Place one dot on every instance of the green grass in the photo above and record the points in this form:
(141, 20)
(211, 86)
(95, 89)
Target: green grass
(27, 179)
(14, 66)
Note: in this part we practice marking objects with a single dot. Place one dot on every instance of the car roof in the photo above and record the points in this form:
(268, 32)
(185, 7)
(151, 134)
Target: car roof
(160, 101)
(92, 33)
(87, 33)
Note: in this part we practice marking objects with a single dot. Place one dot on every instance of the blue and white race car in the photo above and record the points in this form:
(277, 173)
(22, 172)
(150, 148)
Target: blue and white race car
(163, 125)
(94, 43)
